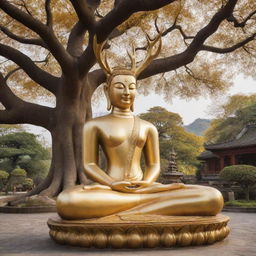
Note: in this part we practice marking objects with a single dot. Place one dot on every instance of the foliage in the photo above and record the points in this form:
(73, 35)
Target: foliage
(27, 184)
(18, 172)
(241, 203)
(3, 179)
(38, 169)
(24, 150)
(234, 104)
(16, 178)
(244, 175)
(3, 175)
(173, 135)
(237, 113)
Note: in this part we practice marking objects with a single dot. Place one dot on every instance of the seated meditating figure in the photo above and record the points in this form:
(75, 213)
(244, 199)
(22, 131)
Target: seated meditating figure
(124, 188)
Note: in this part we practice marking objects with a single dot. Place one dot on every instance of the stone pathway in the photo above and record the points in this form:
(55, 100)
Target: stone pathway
(27, 234)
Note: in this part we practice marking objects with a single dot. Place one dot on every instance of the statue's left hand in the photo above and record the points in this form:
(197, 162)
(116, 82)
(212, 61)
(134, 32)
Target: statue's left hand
(141, 183)
(122, 186)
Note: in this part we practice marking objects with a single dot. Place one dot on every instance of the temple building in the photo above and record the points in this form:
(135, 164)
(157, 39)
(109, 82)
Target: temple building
(241, 150)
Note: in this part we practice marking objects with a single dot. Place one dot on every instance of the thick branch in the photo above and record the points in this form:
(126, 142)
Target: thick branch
(122, 11)
(45, 32)
(28, 113)
(76, 39)
(7, 97)
(96, 78)
(38, 75)
(228, 49)
(48, 13)
(19, 111)
(34, 41)
(85, 11)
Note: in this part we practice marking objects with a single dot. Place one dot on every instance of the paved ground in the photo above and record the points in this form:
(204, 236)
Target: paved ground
(27, 234)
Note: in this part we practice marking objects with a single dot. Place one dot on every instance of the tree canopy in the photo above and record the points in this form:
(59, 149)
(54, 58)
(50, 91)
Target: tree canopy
(172, 135)
(238, 112)
(244, 175)
(46, 48)
(24, 150)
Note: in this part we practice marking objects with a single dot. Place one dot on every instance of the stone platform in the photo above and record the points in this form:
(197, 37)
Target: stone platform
(148, 231)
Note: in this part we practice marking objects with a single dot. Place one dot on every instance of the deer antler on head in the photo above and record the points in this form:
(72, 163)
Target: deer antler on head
(135, 70)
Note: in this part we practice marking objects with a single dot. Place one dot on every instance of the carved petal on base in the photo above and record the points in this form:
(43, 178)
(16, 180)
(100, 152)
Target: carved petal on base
(137, 231)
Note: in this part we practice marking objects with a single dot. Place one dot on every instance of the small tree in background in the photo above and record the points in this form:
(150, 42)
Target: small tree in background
(232, 117)
(24, 150)
(27, 184)
(244, 175)
(3, 179)
(172, 135)
(17, 177)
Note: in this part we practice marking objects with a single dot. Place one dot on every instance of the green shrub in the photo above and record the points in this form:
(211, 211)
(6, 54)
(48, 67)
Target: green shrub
(3, 175)
(244, 175)
(28, 184)
(18, 172)
(3, 179)
(241, 203)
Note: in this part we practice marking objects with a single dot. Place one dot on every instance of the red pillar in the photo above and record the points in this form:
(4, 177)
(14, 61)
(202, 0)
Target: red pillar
(222, 162)
(233, 160)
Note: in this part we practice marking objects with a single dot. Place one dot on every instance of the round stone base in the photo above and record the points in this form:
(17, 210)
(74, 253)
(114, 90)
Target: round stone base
(137, 231)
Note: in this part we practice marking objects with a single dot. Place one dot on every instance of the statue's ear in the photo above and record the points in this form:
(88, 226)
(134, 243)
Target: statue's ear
(105, 88)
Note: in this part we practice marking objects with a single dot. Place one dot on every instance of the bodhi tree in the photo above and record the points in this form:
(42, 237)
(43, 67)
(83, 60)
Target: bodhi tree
(51, 43)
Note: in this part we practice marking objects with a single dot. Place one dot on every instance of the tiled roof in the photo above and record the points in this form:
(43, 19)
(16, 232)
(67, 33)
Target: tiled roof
(206, 154)
(246, 138)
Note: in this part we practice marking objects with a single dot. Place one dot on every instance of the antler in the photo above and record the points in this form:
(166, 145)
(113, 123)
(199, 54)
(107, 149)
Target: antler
(101, 55)
(150, 54)
(98, 51)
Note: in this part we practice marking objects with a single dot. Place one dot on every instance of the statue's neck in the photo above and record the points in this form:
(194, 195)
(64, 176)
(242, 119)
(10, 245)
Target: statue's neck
(122, 112)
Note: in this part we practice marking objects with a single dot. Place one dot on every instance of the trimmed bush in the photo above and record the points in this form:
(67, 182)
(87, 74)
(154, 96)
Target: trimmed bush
(18, 172)
(244, 175)
(28, 184)
(3, 179)
(3, 175)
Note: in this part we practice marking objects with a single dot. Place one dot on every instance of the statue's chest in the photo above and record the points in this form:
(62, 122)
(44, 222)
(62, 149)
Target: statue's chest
(125, 136)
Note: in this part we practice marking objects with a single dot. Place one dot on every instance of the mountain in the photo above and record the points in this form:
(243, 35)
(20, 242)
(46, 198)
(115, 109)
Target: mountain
(198, 126)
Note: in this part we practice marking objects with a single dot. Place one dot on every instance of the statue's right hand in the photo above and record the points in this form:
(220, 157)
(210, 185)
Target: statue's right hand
(121, 186)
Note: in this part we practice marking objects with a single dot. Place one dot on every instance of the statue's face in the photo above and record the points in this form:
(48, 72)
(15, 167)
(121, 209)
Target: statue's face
(122, 91)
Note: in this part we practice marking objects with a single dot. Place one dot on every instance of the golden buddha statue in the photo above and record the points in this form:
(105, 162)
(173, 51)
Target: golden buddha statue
(124, 189)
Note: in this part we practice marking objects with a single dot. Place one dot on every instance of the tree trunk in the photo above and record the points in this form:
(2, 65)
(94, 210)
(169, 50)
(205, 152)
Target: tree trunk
(247, 193)
(67, 165)
(67, 140)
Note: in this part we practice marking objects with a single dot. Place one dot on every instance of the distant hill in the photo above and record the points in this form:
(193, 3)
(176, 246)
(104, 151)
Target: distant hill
(198, 126)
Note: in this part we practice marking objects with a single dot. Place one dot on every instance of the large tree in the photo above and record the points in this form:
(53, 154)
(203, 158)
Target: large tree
(173, 136)
(233, 116)
(193, 31)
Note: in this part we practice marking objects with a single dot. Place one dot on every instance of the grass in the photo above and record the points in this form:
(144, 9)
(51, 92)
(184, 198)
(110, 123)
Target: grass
(241, 203)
